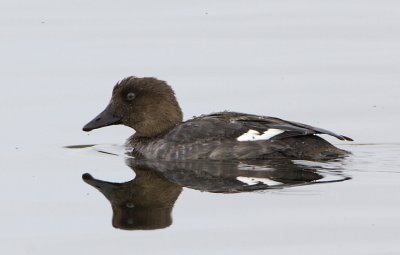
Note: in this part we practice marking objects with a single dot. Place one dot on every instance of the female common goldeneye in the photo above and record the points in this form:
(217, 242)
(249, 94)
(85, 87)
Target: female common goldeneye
(149, 106)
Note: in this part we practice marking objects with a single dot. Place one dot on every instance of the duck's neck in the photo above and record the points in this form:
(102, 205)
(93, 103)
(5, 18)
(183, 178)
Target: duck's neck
(160, 124)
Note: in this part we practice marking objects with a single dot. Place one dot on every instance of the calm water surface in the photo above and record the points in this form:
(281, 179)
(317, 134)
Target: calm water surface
(330, 64)
(341, 206)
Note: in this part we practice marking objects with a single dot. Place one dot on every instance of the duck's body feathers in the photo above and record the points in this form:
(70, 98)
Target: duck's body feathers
(232, 135)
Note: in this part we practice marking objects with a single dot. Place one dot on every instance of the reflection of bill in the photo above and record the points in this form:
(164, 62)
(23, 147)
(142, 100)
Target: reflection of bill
(146, 202)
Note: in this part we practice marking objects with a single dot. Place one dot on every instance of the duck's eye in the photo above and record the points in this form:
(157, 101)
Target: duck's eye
(129, 205)
(130, 96)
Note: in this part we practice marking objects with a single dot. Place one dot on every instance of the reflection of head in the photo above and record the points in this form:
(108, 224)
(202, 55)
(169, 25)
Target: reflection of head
(146, 202)
(141, 218)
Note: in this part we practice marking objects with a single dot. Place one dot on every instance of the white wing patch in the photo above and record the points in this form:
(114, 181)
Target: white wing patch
(254, 181)
(254, 135)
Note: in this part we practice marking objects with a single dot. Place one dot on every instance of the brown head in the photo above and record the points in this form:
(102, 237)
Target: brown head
(147, 105)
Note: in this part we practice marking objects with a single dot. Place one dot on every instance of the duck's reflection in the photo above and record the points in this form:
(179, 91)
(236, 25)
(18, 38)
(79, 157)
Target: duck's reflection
(146, 202)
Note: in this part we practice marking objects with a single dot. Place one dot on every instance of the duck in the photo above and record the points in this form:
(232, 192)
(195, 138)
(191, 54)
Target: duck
(149, 106)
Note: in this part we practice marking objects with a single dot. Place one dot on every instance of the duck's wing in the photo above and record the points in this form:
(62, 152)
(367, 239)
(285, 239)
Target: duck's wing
(242, 127)
(289, 128)
(321, 131)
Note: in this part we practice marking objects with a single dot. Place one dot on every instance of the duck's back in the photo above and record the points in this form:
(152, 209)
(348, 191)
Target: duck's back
(231, 135)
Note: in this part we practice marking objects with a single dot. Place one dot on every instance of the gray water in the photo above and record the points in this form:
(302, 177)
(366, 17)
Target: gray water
(330, 64)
